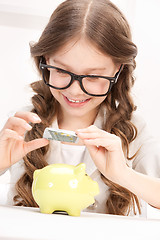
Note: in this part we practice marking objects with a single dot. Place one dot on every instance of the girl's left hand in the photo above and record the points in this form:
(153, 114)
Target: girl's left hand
(106, 151)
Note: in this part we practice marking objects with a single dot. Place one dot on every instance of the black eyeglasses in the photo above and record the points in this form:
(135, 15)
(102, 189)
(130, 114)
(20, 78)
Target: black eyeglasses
(93, 85)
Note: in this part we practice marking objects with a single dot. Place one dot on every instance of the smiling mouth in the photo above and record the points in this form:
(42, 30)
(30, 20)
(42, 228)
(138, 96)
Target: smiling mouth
(77, 101)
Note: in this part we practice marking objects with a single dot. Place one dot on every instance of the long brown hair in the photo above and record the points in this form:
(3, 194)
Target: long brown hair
(104, 26)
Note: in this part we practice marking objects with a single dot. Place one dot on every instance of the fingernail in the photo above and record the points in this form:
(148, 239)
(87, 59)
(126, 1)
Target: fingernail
(28, 126)
(20, 138)
(78, 130)
(81, 133)
(36, 118)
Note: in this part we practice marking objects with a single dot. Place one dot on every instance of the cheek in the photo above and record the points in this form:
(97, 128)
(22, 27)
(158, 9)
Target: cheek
(54, 92)
(99, 100)
(50, 77)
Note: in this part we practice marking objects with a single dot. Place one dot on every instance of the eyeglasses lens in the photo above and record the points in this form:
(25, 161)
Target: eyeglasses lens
(96, 85)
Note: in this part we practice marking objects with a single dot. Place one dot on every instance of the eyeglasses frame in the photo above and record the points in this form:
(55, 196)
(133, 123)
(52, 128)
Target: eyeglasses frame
(79, 78)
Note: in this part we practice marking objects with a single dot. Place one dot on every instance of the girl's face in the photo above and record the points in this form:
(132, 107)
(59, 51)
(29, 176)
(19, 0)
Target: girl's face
(81, 58)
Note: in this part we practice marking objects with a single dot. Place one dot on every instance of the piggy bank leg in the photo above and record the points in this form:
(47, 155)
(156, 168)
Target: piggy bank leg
(74, 212)
(48, 210)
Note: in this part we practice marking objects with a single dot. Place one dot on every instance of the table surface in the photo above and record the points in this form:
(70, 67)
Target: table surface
(20, 223)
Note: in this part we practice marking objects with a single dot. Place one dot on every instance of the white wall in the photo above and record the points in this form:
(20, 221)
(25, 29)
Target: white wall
(146, 32)
(22, 21)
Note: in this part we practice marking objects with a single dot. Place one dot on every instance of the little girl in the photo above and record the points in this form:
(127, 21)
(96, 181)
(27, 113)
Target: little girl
(86, 58)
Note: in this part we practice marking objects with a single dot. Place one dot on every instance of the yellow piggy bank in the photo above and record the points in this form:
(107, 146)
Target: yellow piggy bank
(63, 187)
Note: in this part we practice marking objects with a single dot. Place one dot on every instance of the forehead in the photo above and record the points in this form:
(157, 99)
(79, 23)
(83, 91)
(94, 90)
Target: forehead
(83, 54)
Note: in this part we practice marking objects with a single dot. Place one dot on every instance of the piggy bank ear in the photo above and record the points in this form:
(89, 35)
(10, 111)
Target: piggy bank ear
(80, 169)
(35, 174)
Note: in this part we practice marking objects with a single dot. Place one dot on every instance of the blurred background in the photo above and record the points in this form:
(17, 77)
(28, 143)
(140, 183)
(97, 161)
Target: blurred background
(22, 22)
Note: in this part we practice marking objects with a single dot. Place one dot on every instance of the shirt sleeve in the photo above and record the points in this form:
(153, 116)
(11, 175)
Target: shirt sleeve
(3, 171)
(147, 160)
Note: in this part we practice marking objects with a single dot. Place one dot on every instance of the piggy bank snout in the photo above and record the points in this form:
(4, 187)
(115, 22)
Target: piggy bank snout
(95, 188)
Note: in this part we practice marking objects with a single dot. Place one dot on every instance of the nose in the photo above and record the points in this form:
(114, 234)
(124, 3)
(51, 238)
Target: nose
(75, 88)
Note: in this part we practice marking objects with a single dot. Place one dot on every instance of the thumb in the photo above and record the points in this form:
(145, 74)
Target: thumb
(98, 155)
(92, 150)
(35, 144)
(96, 152)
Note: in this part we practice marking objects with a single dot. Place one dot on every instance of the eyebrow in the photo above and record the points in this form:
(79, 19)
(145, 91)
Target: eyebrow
(87, 69)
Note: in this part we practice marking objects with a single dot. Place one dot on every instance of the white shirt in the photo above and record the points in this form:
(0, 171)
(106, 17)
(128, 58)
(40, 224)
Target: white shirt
(147, 161)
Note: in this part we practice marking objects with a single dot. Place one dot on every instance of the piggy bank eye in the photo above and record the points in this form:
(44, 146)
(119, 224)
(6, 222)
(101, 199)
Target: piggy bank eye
(86, 174)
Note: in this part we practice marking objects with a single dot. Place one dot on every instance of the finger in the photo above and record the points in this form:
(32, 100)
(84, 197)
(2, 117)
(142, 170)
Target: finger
(14, 123)
(92, 149)
(91, 128)
(93, 132)
(94, 142)
(91, 135)
(35, 144)
(8, 134)
(97, 134)
(98, 156)
(20, 121)
(110, 145)
(28, 116)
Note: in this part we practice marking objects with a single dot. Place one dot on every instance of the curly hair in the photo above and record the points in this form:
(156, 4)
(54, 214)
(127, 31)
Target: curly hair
(105, 27)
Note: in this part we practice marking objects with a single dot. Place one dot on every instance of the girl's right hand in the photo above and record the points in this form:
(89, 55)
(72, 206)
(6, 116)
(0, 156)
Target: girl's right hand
(12, 145)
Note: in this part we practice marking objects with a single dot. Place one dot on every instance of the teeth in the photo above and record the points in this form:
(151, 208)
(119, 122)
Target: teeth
(76, 101)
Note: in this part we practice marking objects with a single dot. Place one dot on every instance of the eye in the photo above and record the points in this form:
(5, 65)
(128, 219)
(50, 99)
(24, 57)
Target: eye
(86, 174)
(59, 71)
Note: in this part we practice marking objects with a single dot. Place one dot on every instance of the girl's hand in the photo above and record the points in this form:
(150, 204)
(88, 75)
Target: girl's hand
(105, 150)
(12, 144)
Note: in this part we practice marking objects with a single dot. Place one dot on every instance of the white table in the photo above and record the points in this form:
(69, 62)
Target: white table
(19, 223)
